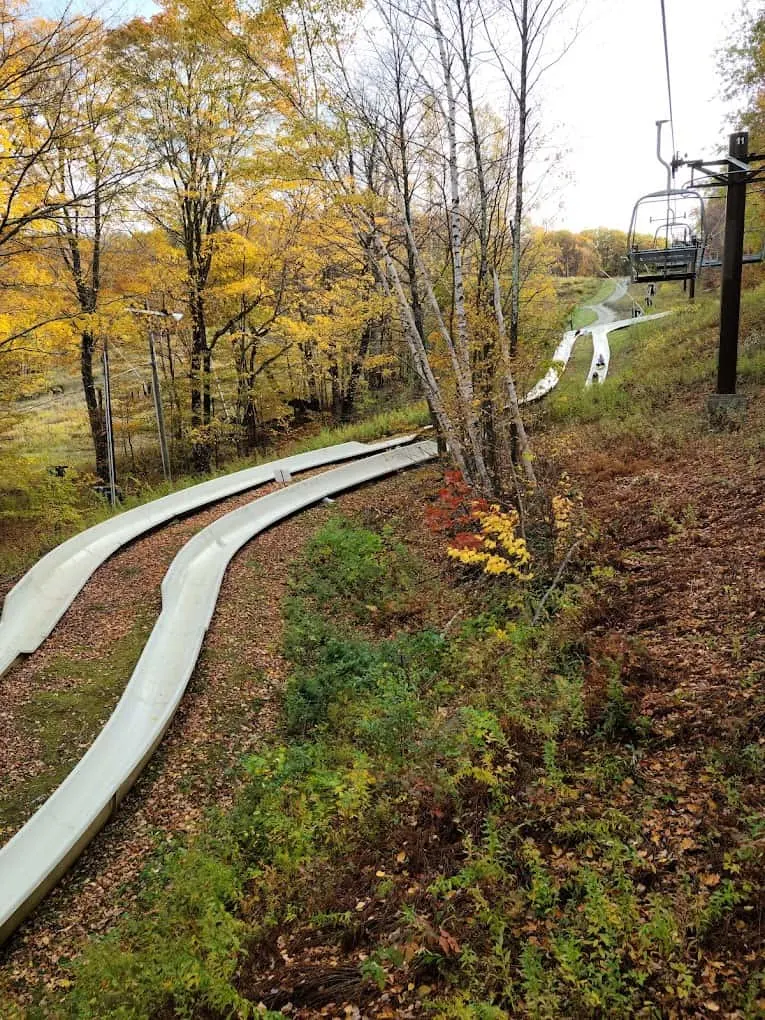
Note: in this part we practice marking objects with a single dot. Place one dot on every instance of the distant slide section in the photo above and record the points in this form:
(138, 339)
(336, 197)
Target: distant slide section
(603, 310)
(38, 601)
(560, 359)
(39, 854)
(601, 352)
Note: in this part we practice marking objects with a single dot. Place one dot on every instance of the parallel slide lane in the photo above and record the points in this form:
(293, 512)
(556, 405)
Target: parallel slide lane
(33, 607)
(40, 853)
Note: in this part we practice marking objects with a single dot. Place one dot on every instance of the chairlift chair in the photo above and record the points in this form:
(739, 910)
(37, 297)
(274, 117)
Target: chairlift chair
(673, 234)
(678, 245)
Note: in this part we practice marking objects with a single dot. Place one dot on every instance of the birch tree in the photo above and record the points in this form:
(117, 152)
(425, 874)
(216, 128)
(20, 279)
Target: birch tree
(523, 63)
(438, 67)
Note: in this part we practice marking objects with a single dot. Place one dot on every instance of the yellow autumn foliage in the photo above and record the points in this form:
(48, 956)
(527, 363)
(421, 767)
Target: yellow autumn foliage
(500, 550)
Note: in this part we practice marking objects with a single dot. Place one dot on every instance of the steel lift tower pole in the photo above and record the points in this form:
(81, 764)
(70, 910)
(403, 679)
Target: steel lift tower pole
(734, 173)
(158, 410)
(733, 262)
(159, 413)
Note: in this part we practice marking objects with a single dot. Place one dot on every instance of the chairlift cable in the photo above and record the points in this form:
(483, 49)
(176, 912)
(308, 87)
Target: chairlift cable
(669, 80)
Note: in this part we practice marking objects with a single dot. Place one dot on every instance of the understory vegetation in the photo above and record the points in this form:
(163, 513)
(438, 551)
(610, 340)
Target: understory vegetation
(483, 741)
(465, 813)
(461, 809)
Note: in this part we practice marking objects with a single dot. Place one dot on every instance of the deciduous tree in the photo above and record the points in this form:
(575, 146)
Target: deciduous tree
(201, 111)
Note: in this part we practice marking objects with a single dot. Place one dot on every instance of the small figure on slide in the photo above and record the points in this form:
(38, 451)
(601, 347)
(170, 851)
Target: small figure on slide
(601, 362)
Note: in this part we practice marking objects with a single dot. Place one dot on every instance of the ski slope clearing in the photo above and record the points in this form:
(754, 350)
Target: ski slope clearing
(601, 354)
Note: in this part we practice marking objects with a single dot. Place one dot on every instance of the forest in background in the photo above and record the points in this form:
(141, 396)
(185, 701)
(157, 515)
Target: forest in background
(331, 236)
(325, 209)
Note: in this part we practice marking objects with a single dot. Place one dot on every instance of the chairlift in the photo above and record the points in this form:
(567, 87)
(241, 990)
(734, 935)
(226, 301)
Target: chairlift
(677, 252)
(678, 245)
(673, 234)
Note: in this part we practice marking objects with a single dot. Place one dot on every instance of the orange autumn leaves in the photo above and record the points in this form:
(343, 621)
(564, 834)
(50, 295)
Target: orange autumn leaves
(483, 535)
(491, 538)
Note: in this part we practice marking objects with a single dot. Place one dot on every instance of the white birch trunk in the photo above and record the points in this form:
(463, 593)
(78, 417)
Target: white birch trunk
(512, 396)
(455, 222)
(420, 356)
(464, 381)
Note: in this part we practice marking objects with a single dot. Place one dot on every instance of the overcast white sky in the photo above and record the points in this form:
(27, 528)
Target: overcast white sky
(603, 99)
(610, 90)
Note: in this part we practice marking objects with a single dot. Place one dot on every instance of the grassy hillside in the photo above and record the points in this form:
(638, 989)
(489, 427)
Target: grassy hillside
(575, 292)
(473, 803)
(668, 296)
(661, 373)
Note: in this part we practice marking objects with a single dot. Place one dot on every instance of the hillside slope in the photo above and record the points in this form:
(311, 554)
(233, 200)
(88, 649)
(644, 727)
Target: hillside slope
(454, 813)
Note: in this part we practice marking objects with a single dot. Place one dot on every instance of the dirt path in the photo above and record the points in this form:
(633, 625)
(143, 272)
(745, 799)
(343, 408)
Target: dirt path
(605, 313)
(231, 703)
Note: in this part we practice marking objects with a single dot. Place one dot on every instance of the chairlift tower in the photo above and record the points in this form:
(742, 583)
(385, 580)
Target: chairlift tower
(734, 173)
(157, 394)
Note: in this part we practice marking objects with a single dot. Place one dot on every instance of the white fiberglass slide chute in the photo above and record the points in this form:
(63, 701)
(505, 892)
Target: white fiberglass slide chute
(601, 350)
(33, 607)
(36, 857)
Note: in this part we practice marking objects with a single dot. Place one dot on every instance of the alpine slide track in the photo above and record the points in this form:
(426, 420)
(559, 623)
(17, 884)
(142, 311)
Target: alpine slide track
(36, 857)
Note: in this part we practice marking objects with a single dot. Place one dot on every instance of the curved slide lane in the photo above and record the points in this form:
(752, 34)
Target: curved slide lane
(605, 323)
(33, 607)
(601, 349)
(39, 854)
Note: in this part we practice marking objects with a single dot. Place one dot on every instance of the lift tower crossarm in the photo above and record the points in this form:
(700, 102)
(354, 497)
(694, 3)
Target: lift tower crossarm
(720, 172)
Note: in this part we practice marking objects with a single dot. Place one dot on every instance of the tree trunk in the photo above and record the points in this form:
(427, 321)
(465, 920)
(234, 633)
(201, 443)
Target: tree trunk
(486, 365)
(198, 351)
(207, 414)
(419, 354)
(411, 255)
(455, 215)
(96, 416)
(512, 396)
(311, 383)
(251, 426)
(348, 398)
(196, 391)
(335, 391)
(520, 168)
(478, 476)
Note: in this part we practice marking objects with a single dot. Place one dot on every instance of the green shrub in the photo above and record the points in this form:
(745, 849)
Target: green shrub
(180, 949)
